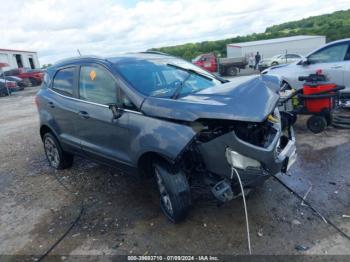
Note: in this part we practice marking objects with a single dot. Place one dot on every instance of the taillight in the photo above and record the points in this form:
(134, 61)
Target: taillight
(10, 84)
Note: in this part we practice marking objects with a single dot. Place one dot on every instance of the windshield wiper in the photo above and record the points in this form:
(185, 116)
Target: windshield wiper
(179, 88)
(190, 72)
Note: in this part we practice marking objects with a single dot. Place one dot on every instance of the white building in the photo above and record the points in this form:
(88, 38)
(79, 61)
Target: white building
(300, 44)
(19, 58)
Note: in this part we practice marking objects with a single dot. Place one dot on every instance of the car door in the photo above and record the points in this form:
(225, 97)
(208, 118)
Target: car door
(102, 137)
(331, 60)
(347, 72)
(60, 106)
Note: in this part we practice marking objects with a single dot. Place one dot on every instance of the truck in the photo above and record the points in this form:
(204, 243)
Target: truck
(224, 66)
(299, 44)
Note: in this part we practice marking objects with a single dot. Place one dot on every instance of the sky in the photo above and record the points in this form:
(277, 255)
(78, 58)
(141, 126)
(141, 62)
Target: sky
(57, 28)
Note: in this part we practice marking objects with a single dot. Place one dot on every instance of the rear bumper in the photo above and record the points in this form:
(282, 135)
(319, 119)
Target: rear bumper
(276, 158)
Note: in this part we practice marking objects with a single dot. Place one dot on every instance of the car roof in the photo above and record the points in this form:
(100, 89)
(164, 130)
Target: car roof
(148, 55)
(339, 41)
(138, 56)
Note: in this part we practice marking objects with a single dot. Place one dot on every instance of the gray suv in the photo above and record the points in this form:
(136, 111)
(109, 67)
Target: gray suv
(159, 116)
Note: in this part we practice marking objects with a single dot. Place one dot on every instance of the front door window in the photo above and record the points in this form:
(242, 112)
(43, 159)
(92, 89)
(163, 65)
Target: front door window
(97, 85)
(335, 53)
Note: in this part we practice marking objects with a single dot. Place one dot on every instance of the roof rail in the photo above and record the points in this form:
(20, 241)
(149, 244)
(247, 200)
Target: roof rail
(154, 52)
(78, 57)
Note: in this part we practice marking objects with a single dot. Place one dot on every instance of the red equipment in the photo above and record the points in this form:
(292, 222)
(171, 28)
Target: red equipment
(317, 98)
(317, 105)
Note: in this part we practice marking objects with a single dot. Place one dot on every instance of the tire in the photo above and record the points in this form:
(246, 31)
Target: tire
(316, 124)
(175, 195)
(231, 71)
(274, 63)
(57, 158)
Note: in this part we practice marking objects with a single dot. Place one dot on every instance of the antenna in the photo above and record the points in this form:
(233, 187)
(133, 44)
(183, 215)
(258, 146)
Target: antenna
(79, 52)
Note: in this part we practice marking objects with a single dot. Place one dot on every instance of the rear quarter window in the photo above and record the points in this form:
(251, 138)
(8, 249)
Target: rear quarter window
(63, 81)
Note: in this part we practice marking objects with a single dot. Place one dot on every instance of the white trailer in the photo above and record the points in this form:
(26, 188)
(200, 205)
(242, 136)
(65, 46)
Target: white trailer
(300, 44)
(19, 58)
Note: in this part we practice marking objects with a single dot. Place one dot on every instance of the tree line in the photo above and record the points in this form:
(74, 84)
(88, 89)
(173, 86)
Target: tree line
(334, 26)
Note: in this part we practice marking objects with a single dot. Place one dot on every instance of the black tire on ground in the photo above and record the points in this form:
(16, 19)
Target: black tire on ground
(57, 158)
(231, 71)
(328, 116)
(175, 195)
(274, 63)
(316, 124)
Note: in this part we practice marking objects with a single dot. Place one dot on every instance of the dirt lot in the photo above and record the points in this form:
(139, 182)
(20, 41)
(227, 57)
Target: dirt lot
(122, 214)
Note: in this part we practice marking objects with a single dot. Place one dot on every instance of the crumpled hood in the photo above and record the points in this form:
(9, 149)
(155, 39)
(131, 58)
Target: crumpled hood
(245, 99)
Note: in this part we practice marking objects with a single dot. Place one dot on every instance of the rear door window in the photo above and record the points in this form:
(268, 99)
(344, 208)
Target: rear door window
(97, 85)
(63, 81)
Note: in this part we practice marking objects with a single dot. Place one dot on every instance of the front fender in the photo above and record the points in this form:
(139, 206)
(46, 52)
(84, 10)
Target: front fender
(161, 136)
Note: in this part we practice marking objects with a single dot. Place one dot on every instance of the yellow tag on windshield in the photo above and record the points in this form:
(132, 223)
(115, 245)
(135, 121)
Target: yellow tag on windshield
(92, 75)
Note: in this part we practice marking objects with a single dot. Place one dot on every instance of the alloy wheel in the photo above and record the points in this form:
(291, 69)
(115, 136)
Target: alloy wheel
(52, 152)
(164, 195)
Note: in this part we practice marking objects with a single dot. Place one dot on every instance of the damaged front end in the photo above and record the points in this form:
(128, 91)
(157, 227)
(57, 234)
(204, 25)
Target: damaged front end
(255, 150)
(236, 126)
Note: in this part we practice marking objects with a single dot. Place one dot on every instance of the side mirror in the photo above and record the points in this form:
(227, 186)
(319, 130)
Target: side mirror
(304, 62)
(116, 111)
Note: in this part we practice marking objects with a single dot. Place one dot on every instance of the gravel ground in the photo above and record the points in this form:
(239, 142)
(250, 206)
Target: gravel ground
(122, 214)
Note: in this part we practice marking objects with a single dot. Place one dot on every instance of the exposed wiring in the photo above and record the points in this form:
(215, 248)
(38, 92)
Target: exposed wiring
(306, 194)
(326, 220)
(233, 170)
(71, 226)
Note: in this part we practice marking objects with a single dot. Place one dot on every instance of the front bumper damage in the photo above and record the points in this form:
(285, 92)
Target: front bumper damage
(277, 157)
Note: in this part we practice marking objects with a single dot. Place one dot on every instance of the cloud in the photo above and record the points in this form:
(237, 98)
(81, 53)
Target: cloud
(57, 28)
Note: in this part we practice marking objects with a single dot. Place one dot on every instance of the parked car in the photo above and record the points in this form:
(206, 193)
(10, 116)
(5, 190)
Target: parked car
(11, 85)
(278, 60)
(224, 66)
(19, 81)
(333, 59)
(159, 116)
(31, 77)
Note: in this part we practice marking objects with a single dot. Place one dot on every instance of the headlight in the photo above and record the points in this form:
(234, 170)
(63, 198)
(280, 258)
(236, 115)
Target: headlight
(239, 161)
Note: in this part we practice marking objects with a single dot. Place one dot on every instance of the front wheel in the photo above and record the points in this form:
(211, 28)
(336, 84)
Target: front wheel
(174, 190)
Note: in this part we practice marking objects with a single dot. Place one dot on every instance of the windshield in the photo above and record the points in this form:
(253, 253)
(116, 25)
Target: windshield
(276, 57)
(197, 58)
(165, 77)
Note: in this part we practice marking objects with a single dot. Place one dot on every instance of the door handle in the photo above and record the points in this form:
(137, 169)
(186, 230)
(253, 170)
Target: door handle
(83, 114)
(51, 104)
(337, 67)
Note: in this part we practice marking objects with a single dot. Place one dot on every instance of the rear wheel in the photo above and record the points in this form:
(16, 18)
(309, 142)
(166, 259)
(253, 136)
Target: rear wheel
(316, 124)
(57, 158)
(174, 190)
(231, 71)
(274, 63)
